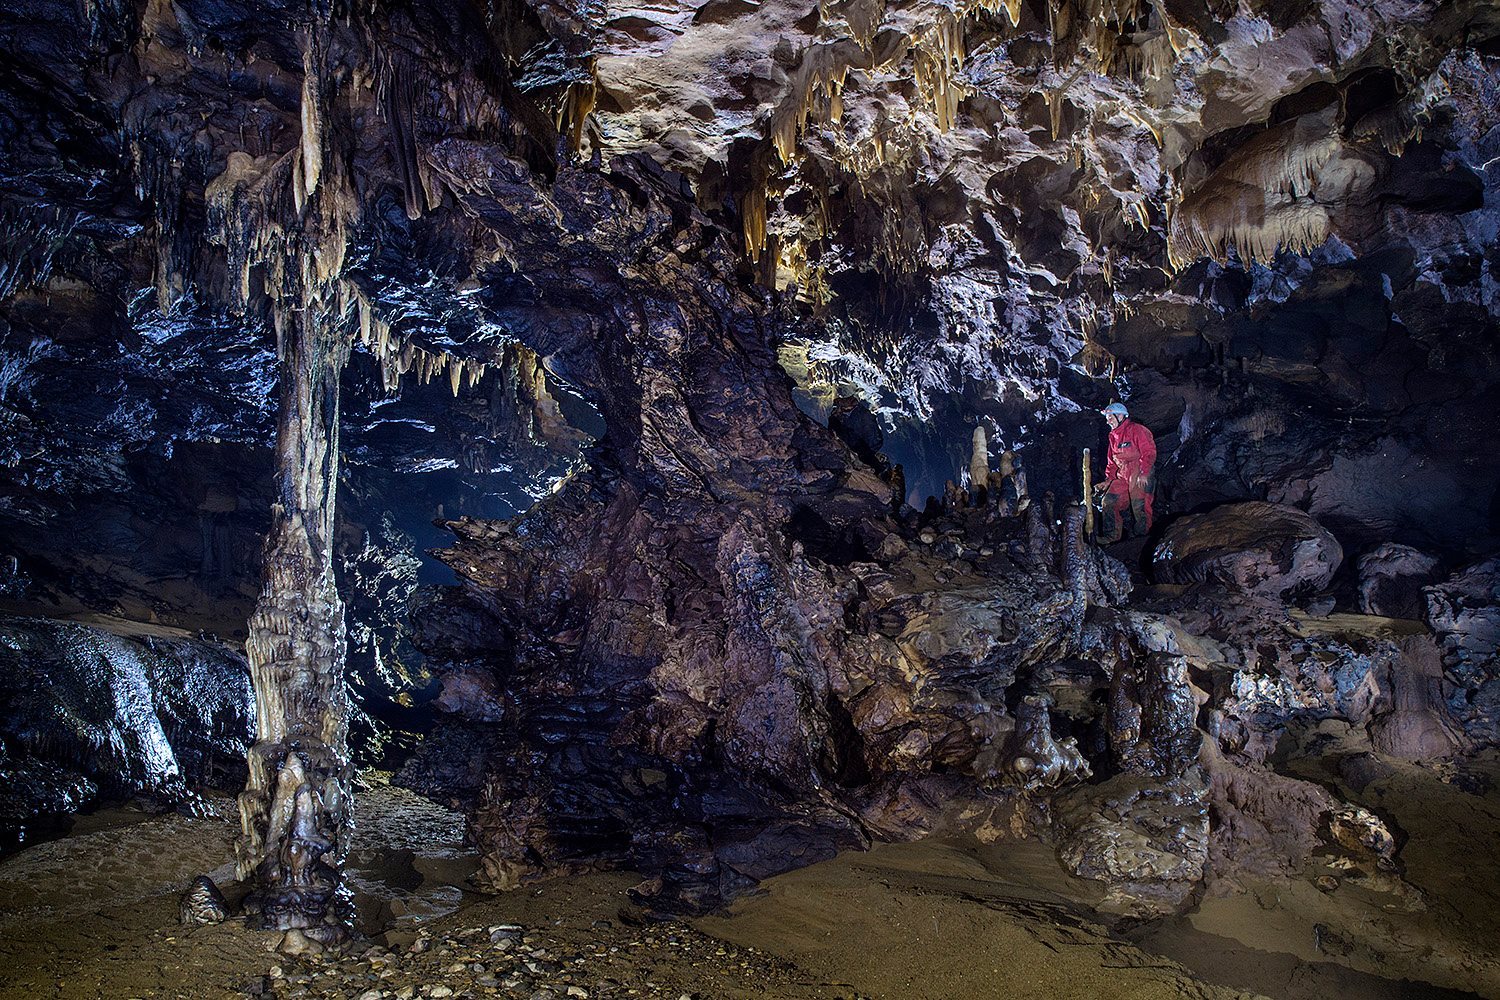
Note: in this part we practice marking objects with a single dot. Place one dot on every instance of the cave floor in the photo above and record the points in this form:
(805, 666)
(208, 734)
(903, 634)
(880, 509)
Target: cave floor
(94, 914)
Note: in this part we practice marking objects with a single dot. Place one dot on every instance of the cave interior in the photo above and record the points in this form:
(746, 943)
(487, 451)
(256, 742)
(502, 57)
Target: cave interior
(554, 498)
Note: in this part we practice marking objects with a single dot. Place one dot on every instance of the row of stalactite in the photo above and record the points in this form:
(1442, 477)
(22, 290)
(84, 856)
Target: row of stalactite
(246, 206)
(397, 357)
(287, 222)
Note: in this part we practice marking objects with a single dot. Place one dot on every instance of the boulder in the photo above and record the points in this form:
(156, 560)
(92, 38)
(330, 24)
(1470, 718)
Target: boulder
(1391, 578)
(1147, 840)
(1255, 547)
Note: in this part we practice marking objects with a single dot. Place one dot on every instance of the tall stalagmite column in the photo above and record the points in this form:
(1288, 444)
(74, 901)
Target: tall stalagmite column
(296, 809)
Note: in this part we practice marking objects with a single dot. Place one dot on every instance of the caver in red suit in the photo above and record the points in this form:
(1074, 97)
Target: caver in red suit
(1128, 474)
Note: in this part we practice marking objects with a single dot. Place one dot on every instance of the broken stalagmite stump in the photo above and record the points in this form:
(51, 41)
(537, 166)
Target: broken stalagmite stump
(979, 466)
(1088, 498)
(203, 903)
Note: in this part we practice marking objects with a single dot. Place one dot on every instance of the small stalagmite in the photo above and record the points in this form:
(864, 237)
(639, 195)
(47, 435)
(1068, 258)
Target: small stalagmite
(979, 464)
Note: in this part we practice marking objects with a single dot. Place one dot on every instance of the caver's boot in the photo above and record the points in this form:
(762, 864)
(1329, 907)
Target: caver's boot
(1140, 509)
(1110, 529)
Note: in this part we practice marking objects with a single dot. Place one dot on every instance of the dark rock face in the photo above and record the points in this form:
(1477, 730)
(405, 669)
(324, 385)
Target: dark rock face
(1255, 548)
(88, 714)
(1464, 612)
(1391, 578)
(719, 708)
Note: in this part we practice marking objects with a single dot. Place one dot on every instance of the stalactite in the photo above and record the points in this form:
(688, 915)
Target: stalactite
(159, 183)
(312, 117)
(1400, 123)
(397, 101)
(939, 56)
(1055, 96)
(1261, 199)
(863, 18)
(753, 219)
(819, 78)
(30, 238)
(577, 105)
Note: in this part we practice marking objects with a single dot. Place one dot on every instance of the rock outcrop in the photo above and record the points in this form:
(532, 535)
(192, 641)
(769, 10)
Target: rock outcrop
(1253, 548)
(582, 286)
(1464, 612)
(1391, 578)
(90, 715)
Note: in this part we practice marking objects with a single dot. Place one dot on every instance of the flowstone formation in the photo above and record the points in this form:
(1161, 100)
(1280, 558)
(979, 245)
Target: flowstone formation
(673, 318)
(90, 715)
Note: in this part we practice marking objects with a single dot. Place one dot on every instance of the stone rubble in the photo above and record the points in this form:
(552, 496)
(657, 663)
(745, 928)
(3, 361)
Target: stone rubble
(614, 960)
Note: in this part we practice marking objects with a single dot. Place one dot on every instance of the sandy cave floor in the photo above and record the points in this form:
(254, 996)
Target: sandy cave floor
(94, 914)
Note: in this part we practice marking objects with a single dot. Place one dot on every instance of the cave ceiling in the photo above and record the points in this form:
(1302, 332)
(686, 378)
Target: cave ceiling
(1011, 212)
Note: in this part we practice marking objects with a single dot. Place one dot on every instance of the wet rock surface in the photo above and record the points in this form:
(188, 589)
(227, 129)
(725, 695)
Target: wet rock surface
(1146, 840)
(91, 715)
(1464, 613)
(947, 917)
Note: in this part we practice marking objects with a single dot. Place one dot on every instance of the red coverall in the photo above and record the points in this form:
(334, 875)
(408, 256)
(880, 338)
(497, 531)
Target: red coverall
(1127, 475)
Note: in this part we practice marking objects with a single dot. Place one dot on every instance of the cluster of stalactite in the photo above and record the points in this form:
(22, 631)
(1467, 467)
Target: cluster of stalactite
(32, 238)
(879, 152)
(288, 223)
(1284, 189)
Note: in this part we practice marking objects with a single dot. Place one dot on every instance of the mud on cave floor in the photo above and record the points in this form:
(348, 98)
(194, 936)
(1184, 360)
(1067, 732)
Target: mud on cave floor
(95, 915)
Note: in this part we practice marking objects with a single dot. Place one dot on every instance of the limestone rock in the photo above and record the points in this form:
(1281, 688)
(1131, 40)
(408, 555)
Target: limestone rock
(1391, 578)
(1464, 612)
(1255, 547)
(1146, 839)
(203, 903)
(84, 711)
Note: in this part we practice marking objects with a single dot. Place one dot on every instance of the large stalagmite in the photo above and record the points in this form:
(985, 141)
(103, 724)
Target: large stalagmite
(296, 807)
(979, 463)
